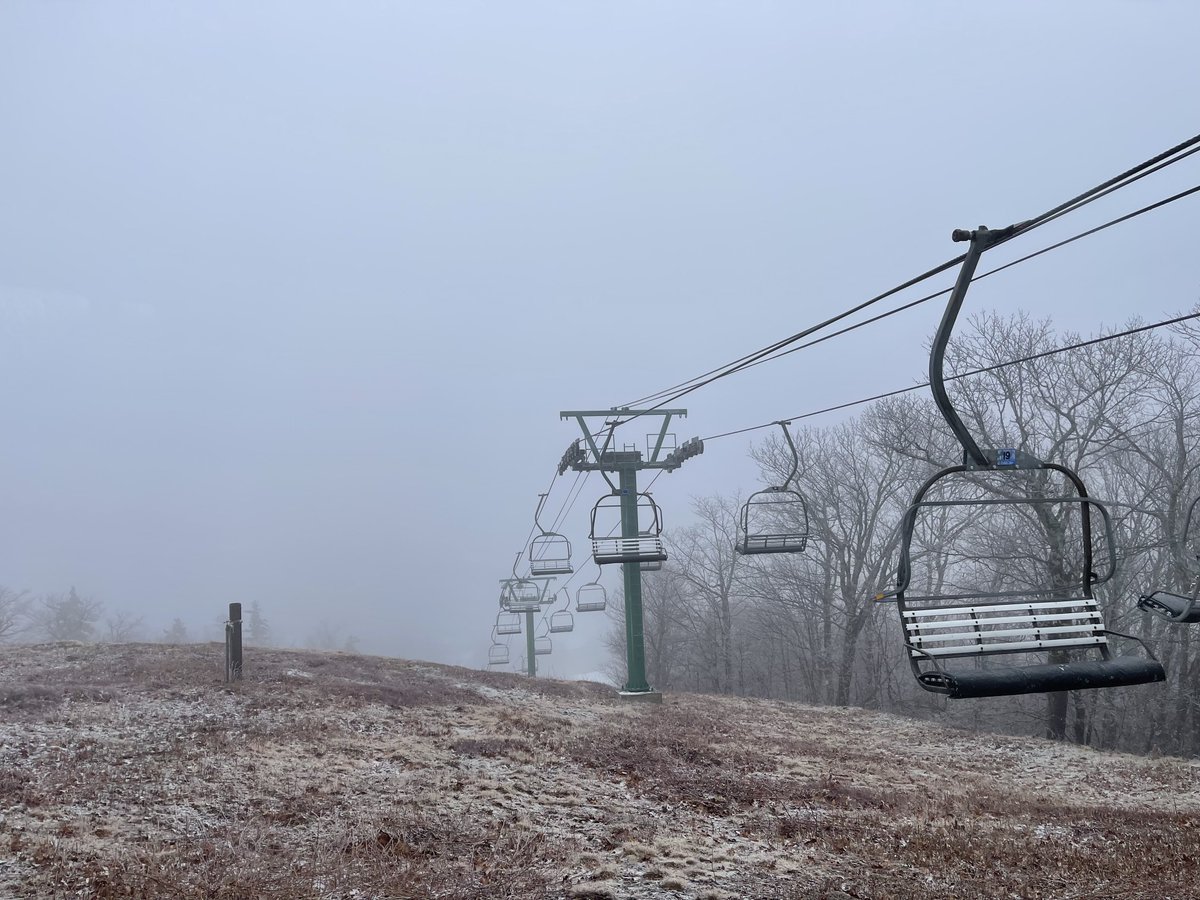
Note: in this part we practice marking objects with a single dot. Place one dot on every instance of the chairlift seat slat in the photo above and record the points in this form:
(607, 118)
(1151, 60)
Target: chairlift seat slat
(1033, 620)
(1064, 603)
(984, 643)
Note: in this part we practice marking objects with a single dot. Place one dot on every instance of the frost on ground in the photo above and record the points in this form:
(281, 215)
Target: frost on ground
(132, 771)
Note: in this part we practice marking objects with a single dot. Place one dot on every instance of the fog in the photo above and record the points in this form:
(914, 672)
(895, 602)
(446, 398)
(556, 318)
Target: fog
(291, 294)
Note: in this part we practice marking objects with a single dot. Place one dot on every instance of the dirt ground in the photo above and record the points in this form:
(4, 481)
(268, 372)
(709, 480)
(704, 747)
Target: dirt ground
(132, 771)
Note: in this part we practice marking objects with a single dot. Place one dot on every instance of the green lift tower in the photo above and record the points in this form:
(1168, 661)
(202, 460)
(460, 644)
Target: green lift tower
(638, 544)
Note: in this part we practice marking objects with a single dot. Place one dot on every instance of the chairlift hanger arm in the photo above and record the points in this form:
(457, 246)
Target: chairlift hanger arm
(537, 512)
(981, 239)
(787, 482)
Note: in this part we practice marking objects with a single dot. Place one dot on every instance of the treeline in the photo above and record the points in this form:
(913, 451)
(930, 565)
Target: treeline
(1125, 414)
(72, 616)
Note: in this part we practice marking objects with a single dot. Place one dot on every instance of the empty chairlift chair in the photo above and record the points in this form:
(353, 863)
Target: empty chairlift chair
(508, 623)
(498, 655)
(1179, 609)
(542, 646)
(1004, 600)
(561, 621)
(608, 547)
(775, 519)
(591, 597)
(549, 552)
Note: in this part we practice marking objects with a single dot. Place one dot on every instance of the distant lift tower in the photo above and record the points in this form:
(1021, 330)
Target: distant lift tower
(526, 595)
(595, 452)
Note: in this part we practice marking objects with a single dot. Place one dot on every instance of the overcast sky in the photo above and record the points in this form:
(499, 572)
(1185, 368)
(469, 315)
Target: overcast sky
(291, 293)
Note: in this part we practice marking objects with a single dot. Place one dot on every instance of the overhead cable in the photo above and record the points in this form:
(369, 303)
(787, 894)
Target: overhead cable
(1154, 164)
(924, 384)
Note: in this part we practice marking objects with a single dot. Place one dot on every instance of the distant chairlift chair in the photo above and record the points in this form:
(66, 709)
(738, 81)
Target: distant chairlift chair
(498, 655)
(591, 597)
(542, 646)
(944, 626)
(508, 623)
(775, 520)
(549, 552)
(561, 621)
(1178, 608)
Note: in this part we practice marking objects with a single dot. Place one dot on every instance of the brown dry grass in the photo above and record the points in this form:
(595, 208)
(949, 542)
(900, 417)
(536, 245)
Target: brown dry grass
(132, 771)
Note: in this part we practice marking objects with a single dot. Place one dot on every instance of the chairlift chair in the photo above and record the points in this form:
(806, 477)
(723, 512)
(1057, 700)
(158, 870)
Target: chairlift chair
(1179, 609)
(561, 620)
(775, 519)
(1012, 613)
(591, 597)
(646, 547)
(498, 655)
(549, 552)
(542, 646)
(508, 623)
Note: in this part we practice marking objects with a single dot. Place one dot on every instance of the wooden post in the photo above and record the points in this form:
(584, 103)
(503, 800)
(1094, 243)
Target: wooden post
(233, 643)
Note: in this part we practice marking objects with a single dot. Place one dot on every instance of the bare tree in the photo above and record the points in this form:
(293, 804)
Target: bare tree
(14, 613)
(121, 627)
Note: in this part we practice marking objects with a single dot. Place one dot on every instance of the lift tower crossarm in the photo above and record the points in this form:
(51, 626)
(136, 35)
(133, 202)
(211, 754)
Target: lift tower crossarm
(655, 460)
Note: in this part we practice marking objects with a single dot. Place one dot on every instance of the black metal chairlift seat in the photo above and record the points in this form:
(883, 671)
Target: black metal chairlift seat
(549, 551)
(985, 626)
(1173, 607)
(508, 623)
(775, 519)
(591, 597)
(561, 620)
(645, 547)
(1178, 608)
(498, 655)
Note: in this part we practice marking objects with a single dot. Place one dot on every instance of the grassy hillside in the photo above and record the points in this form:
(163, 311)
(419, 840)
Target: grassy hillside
(131, 771)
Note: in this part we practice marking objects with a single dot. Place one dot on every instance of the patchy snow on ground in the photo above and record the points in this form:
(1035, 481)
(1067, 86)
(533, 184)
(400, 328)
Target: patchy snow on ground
(133, 771)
